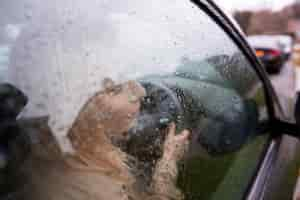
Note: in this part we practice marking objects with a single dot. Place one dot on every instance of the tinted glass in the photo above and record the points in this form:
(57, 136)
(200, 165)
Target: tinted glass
(106, 79)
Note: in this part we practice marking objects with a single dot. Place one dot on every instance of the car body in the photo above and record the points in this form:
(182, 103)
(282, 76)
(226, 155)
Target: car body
(273, 50)
(197, 70)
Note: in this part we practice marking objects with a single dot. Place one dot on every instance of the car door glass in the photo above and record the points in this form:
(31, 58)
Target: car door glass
(61, 53)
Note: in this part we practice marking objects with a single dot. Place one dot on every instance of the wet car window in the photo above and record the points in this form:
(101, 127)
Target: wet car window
(149, 99)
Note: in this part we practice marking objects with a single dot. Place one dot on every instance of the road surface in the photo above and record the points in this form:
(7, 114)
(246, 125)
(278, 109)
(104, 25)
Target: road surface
(284, 85)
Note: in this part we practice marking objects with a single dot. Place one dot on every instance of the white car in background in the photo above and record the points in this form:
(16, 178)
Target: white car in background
(273, 50)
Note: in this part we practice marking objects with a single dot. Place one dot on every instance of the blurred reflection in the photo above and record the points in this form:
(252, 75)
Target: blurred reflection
(60, 52)
(204, 96)
(120, 137)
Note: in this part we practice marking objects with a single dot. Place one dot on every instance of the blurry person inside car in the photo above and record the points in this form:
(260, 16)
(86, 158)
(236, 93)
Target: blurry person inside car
(96, 161)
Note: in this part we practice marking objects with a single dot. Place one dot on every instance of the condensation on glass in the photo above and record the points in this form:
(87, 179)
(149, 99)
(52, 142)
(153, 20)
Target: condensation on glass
(168, 56)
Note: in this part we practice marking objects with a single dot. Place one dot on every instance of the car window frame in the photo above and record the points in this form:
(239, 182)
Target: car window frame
(212, 10)
(238, 38)
(258, 183)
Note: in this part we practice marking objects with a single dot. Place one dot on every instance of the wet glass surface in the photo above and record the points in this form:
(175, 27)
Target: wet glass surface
(106, 80)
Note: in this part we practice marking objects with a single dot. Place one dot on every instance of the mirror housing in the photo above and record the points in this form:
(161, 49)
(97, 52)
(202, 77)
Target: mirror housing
(297, 113)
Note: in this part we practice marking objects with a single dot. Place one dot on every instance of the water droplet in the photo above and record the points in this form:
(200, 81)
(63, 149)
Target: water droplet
(69, 98)
(172, 106)
(133, 98)
(94, 83)
(69, 21)
(45, 95)
(40, 106)
(60, 129)
(132, 13)
(28, 16)
(164, 120)
(227, 142)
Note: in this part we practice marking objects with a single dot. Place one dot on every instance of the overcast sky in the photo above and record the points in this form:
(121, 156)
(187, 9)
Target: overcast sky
(253, 4)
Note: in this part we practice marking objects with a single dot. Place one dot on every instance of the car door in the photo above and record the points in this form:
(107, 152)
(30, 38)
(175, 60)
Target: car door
(194, 69)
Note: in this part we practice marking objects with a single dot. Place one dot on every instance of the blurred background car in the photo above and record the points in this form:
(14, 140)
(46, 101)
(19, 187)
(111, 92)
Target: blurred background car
(273, 50)
(286, 44)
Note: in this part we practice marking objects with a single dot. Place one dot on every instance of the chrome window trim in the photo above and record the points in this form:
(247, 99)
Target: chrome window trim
(257, 191)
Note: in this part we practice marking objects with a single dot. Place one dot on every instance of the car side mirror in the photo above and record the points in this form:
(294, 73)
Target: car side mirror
(297, 111)
(288, 128)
